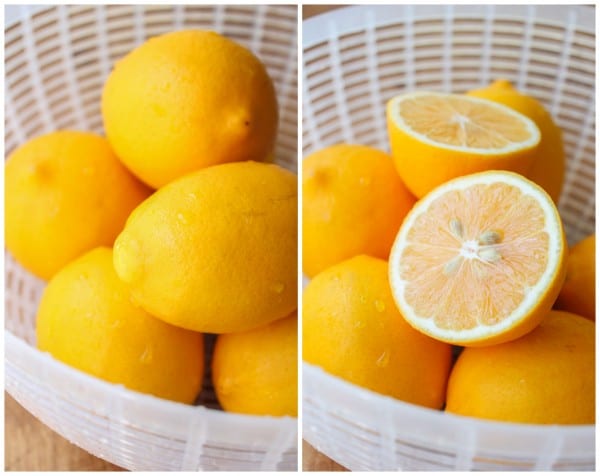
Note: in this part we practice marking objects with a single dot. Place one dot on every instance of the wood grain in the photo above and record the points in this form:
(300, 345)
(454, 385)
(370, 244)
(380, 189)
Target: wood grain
(313, 460)
(312, 10)
(29, 445)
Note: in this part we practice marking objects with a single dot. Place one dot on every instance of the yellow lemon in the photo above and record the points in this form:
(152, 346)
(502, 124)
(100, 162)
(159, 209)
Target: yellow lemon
(436, 137)
(352, 203)
(86, 319)
(578, 294)
(545, 377)
(256, 371)
(186, 100)
(479, 260)
(548, 169)
(216, 250)
(352, 329)
(65, 193)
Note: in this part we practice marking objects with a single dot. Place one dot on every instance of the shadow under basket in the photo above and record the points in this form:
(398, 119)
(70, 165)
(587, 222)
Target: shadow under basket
(56, 61)
(354, 60)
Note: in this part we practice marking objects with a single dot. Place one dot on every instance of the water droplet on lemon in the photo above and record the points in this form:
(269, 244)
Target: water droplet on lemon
(383, 359)
(278, 287)
(147, 356)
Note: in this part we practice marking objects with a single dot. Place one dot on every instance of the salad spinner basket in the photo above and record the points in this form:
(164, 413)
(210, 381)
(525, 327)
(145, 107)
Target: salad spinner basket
(56, 61)
(354, 60)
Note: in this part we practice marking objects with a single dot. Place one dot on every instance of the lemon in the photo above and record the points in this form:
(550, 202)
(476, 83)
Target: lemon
(256, 371)
(480, 260)
(66, 193)
(86, 319)
(548, 169)
(353, 203)
(578, 294)
(216, 250)
(352, 329)
(436, 137)
(545, 377)
(186, 100)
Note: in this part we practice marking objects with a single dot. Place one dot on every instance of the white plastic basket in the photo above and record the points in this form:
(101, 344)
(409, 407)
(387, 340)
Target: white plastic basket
(56, 61)
(354, 60)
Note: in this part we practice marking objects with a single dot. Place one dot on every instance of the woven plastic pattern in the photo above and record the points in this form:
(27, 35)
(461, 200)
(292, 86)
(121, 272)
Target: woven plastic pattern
(56, 62)
(354, 60)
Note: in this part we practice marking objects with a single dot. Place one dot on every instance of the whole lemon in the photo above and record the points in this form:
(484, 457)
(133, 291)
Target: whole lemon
(65, 193)
(186, 100)
(548, 169)
(578, 294)
(256, 371)
(546, 376)
(352, 329)
(216, 250)
(86, 319)
(353, 203)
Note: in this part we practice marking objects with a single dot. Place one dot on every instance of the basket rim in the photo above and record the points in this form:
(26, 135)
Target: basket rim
(351, 19)
(310, 371)
(15, 346)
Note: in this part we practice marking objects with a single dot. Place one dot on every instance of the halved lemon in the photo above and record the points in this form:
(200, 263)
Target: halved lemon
(480, 260)
(436, 137)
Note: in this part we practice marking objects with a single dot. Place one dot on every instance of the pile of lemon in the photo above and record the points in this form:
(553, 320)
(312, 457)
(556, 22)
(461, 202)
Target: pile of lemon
(437, 272)
(171, 227)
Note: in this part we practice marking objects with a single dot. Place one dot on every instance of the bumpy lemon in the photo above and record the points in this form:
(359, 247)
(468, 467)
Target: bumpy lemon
(66, 193)
(546, 376)
(186, 100)
(578, 294)
(87, 320)
(256, 371)
(216, 250)
(548, 169)
(352, 328)
(353, 203)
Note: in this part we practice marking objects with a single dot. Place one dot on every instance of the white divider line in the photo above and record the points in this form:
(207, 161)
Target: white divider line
(102, 35)
(195, 439)
(258, 28)
(372, 72)
(563, 64)
(138, 24)
(67, 54)
(338, 82)
(274, 454)
(409, 45)
(447, 49)
(488, 34)
(526, 48)
(218, 18)
(464, 457)
(178, 16)
(551, 452)
(35, 74)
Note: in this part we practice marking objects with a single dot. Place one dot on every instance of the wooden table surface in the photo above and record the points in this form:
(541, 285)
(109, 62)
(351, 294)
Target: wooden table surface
(32, 446)
(29, 445)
